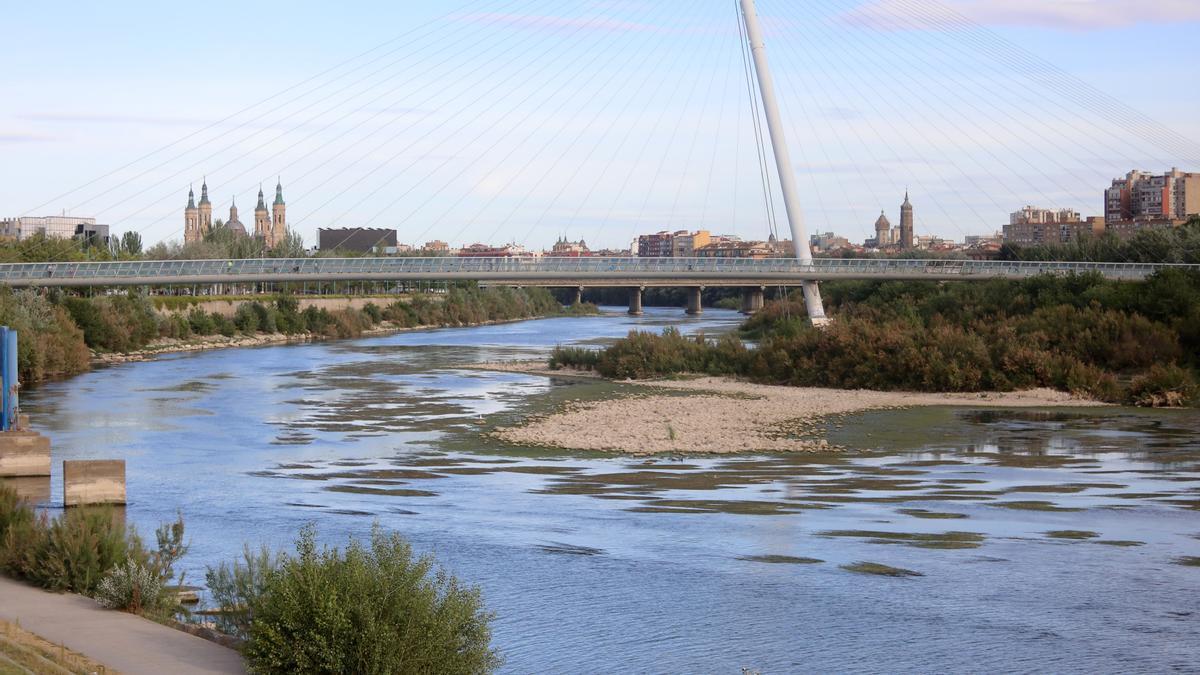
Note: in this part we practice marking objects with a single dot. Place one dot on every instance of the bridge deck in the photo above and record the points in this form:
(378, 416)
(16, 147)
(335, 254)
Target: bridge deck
(548, 272)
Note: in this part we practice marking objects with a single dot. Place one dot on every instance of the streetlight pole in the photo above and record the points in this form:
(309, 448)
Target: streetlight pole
(783, 160)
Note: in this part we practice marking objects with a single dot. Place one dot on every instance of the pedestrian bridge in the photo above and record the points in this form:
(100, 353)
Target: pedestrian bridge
(547, 272)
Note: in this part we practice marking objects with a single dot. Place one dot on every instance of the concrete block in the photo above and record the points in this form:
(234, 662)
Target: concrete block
(88, 482)
(24, 453)
(33, 489)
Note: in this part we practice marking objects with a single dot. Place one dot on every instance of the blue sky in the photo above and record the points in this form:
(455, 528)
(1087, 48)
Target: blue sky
(523, 120)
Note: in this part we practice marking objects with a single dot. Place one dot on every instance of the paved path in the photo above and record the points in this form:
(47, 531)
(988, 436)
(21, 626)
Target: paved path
(121, 641)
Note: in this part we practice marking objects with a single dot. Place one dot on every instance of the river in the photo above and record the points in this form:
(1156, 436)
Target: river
(1055, 541)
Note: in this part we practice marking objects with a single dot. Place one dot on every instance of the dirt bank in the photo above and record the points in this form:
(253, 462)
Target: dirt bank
(716, 415)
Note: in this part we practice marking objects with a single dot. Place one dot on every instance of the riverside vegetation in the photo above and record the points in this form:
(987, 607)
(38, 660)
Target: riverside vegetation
(69, 328)
(1116, 342)
(320, 610)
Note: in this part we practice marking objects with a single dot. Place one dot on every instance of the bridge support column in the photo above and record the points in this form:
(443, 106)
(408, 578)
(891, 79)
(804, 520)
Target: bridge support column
(577, 299)
(753, 300)
(635, 301)
(694, 301)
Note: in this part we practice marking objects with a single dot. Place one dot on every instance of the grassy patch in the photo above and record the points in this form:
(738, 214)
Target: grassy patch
(1125, 543)
(1188, 561)
(781, 559)
(945, 540)
(22, 651)
(880, 570)
(932, 515)
(1071, 534)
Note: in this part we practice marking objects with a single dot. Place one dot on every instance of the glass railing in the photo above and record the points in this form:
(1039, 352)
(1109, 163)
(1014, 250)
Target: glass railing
(206, 271)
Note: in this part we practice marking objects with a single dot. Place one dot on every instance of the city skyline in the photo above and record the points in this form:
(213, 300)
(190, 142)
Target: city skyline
(677, 178)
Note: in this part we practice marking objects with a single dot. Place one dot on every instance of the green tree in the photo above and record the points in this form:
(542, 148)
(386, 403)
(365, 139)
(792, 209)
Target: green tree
(131, 243)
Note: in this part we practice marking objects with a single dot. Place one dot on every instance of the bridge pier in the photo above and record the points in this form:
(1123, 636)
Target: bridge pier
(577, 299)
(635, 301)
(695, 305)
(753, 300)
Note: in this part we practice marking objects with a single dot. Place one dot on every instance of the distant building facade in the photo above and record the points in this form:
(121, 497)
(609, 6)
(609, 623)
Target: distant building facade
(1172, 196)
(684, 244)
(906, 225)
(57, 227)
(658, 245)
(569, 249)
(1032, 226)
(357, 239)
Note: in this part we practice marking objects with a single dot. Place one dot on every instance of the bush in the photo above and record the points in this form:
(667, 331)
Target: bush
(579, 358)
(72, 552)
(1165, 387)
(236, 587)
(132, 587)
(50, 344)
(78, 549)
(373, 609)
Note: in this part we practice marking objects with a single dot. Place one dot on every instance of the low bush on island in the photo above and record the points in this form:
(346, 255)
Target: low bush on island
(1117, 342)
(373, 608)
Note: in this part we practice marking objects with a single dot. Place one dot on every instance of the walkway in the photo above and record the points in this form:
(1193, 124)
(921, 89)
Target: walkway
(121, 641)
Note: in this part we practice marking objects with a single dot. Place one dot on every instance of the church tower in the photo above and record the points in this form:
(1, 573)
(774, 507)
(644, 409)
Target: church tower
(906, 224)
(262, 223)
(278, 217)
(191, 220)
(883, 231)
(205, 210)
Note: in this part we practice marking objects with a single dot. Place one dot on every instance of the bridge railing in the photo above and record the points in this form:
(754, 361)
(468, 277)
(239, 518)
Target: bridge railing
(165, 271)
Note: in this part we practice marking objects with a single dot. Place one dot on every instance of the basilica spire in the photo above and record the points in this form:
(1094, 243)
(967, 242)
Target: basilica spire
(262, 204)
(279, 193)
(204, 192)
(191, 198)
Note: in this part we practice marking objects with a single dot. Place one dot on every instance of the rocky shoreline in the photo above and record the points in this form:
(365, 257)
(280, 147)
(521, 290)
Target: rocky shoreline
(721, 416)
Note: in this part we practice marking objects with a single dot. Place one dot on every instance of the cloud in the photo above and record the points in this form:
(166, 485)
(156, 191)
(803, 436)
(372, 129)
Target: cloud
(1062, 14)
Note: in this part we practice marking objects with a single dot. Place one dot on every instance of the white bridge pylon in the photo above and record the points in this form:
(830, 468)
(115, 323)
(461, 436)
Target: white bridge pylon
(783, 159)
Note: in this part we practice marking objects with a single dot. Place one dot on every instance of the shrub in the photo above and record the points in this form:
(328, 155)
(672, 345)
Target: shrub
(373, 312)
(133, 587)
(373, 609)
(574, 357)
(71, 552)
(238, 586)
(1165, 387)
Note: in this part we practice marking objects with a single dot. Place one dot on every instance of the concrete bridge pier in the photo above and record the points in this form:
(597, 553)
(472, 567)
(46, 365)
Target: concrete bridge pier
(753, 300)
(577, 299)
(695, 305)
(635, 301)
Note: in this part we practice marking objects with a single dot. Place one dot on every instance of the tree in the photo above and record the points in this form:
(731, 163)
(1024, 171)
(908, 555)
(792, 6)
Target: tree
(131, 243)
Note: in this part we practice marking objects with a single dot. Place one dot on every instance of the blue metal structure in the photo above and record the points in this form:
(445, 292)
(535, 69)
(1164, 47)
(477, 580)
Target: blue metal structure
(8, 378)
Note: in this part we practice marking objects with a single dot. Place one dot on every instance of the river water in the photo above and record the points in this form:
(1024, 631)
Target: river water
(1048, 541)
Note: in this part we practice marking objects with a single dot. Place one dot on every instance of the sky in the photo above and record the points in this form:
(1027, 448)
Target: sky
(526, 120)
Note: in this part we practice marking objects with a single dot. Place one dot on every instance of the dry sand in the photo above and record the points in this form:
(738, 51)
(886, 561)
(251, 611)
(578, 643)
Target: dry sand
(719, 415)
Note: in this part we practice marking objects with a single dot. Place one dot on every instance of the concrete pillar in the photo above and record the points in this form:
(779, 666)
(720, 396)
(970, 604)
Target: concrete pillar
(32, 489)
(694, 303)
(635, 301)
(87, 482)
(578, 298)
(24, 453)
(753, 300)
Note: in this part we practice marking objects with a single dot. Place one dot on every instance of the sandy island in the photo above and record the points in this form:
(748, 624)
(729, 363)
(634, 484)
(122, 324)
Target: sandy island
(720, 415)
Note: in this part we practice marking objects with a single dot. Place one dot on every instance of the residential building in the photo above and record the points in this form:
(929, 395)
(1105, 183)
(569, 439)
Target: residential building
(735, 249)
(1174, 195)
(684, 244)
(58, 227)
(658, 245)
(436, 246)
(824, 243)
(1032, 226)
(357, 239)
(485, 251)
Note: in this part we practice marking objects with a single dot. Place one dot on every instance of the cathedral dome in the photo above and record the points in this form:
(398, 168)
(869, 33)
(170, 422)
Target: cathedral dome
(883, 223)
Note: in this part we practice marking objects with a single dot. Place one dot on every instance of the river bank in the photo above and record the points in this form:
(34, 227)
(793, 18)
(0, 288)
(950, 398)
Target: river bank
(720, 416)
